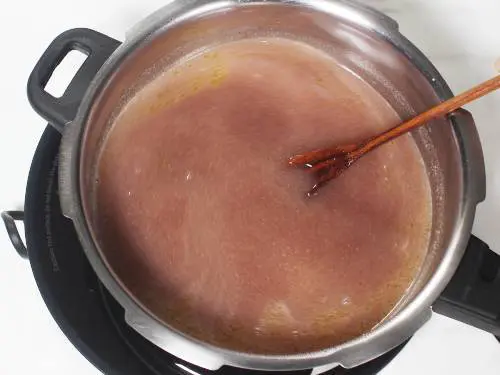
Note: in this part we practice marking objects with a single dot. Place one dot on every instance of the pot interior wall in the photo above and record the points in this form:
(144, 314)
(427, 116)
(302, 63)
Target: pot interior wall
(366, 53)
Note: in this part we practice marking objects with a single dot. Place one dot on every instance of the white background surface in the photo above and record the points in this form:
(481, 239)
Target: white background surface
(462, 37)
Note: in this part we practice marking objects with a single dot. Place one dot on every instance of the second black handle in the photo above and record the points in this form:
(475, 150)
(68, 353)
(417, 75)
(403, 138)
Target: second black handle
(473, 294)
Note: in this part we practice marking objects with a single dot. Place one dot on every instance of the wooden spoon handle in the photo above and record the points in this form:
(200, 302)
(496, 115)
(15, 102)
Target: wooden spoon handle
(440, 110)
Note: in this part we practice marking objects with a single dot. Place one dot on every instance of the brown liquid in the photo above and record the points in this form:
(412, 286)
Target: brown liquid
(201, 218)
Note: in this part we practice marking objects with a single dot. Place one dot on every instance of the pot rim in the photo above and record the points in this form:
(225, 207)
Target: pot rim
(350, 354)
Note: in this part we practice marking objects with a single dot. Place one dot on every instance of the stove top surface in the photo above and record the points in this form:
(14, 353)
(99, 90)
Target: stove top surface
(88, 315)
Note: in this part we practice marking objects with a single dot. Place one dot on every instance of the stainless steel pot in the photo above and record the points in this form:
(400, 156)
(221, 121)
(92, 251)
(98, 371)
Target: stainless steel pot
(365, 41)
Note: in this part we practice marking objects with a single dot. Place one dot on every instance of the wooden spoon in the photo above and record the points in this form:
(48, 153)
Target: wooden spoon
(329, 163)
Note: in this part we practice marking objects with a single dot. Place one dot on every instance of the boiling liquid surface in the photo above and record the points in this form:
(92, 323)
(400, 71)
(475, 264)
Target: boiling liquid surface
(200, 217)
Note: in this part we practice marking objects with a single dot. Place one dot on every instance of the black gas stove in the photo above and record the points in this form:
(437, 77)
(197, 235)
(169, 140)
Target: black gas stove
(88, 315)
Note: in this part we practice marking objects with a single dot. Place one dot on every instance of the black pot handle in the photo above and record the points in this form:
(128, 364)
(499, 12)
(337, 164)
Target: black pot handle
(473, 294)
(60, 111)
(9, 219)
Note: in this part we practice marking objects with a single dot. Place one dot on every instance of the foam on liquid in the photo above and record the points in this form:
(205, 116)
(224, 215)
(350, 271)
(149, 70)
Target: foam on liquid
(203, 221)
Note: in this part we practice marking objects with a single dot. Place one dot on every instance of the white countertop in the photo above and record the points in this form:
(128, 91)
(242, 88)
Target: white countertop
(461, 37)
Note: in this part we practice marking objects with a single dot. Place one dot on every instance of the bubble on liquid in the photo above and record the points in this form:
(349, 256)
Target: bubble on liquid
(258, 331)
(295, 333)
(346, 301)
